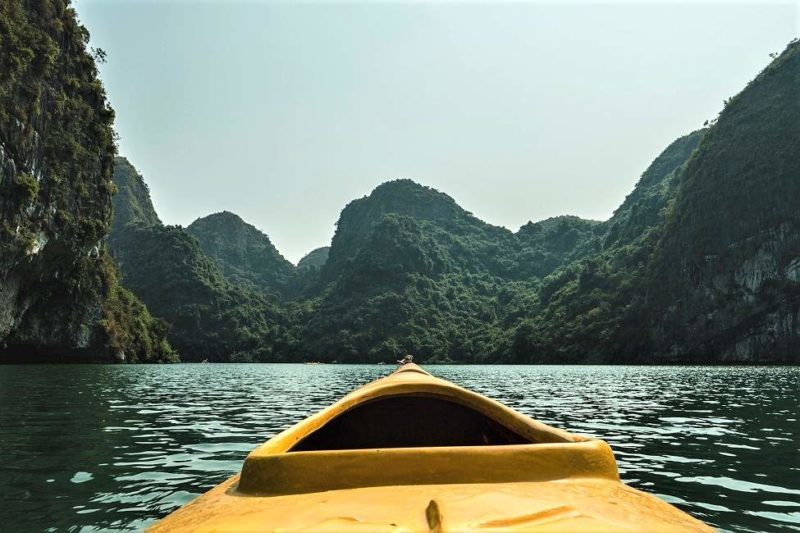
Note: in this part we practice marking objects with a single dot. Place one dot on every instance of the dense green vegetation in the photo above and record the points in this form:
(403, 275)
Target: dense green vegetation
(552, 243)
(689, 268)
(701, 262)
(590, 309)
(58, 294)
(698, 261)
(209, 316)
(245, 255)
(132, 199)
(134, 335)
(724, 277)
(409, 271)
(434, 280)
(645, 207)
(316, 258)
(455, 239)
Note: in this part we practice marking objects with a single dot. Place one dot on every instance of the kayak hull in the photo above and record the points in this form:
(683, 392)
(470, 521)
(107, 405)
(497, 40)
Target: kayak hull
(411, 452)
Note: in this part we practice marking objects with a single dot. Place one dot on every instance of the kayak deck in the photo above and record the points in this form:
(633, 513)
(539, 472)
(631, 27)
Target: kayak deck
(411, 452)
(574, 505)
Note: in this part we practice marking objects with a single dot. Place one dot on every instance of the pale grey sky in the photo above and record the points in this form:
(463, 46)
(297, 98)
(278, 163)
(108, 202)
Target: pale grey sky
(283, 112)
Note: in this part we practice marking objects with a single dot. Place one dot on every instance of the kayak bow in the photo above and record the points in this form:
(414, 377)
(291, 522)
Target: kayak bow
(411, 452)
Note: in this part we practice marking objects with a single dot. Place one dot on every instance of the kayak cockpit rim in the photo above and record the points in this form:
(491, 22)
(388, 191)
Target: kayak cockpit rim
(413, 428)
(411, 420)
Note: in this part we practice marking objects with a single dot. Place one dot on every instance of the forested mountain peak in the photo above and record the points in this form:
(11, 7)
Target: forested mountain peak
(221, 217)
(401, 197)
(407, 197)
(553, 242)
(404, 198)
(705, 248)
(316, 258)
(132, 201)
(245, 254)
(210, 315)
(549, 224)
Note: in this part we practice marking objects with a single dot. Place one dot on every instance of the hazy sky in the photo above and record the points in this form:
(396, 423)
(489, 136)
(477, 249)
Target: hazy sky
(284, 112)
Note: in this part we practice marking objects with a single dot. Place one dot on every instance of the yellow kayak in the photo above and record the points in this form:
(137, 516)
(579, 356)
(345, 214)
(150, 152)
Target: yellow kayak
(411, 452)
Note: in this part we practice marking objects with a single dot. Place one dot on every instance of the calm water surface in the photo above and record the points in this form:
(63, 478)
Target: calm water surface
(93, 448)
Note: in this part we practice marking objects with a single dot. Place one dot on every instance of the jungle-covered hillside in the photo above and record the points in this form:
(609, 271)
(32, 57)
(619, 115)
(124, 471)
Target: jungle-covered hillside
(698, 264)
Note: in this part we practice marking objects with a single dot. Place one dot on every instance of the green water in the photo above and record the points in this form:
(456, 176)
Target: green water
(116, 447)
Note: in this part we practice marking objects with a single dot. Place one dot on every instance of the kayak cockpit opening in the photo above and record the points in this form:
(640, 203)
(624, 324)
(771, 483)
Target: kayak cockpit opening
(409, 421)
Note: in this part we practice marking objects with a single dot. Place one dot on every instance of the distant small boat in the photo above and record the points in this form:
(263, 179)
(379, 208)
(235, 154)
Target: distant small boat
(204, 361)
(411, 452)
(313, 363)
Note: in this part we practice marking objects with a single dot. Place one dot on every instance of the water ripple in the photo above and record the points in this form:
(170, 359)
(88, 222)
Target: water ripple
(95, 448)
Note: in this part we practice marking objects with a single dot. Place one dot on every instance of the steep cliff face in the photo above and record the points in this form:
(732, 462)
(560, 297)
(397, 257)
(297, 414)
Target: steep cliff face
(56, 152)
(58, 298)
(724, 281)
(246, 256)
(700, 262)
(591, 307)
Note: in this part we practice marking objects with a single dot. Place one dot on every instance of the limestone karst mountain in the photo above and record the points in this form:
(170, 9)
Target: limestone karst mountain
(245, 255)
(316, 258)
(724, 283)
(711, 276)
(209, 316)
(59, 297)
(700, 263)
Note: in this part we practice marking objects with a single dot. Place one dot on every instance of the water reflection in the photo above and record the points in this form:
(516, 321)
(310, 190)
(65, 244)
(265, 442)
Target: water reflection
(115, 447)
